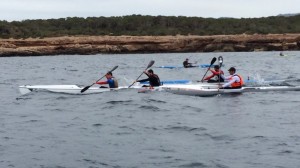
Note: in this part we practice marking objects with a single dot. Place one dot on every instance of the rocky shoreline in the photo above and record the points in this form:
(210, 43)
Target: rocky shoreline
(85, 45)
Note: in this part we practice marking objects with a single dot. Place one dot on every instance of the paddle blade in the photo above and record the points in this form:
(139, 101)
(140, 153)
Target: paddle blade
(113, 69)
(150, 64)
(85, 88)
(220, 59)
(213, 61)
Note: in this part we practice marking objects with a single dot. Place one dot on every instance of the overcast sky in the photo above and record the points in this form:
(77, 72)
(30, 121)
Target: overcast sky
(45, 9)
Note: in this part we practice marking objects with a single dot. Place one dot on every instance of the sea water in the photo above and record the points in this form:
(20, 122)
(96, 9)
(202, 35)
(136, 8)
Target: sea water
(156, 129)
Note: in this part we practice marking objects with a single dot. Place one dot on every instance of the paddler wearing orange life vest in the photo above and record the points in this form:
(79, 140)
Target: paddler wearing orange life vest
(235, 81)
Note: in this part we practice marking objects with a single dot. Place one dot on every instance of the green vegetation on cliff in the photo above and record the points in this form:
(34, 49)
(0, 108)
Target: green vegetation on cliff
(138, 25)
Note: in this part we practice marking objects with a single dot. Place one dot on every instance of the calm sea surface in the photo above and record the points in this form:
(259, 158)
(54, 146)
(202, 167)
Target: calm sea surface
(135, 130)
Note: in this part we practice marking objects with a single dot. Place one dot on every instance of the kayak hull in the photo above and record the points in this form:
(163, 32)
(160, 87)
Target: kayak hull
(69, 89)
(75, 89)
(200, 90)
(203, 89)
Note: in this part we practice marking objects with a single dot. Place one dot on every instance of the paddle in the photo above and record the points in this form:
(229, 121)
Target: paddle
(87, 87)
(194, 64)
(220, 59)
(149, 65)
(211, 63)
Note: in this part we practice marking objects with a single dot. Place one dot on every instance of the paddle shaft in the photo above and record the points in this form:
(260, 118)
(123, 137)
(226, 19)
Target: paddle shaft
(149, 65)
(211, 63)
(220, 58)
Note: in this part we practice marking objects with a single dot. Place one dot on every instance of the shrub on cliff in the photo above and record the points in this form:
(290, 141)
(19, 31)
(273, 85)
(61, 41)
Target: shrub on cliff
(137, 25)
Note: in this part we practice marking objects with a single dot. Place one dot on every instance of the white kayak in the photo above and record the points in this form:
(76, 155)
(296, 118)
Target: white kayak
(70, 89)
(200, 90)
(75, 89)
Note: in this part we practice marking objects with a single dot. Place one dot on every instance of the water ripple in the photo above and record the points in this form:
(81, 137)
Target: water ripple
(194, 165)
(117, 102)
(155, 101)
(185, 128)
(196, 109)
(97, 125)
(149, 107)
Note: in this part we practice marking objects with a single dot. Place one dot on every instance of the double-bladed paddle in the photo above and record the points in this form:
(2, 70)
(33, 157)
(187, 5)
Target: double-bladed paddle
(87, 87)
(149, 65)
(211, 63)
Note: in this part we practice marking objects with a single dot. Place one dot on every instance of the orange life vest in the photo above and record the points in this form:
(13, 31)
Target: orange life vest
(237, 84)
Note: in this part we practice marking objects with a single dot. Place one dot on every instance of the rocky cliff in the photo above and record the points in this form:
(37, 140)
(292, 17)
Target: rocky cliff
(147, 44)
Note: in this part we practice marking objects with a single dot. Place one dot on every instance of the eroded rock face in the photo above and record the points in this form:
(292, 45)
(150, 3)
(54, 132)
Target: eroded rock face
(148, 44)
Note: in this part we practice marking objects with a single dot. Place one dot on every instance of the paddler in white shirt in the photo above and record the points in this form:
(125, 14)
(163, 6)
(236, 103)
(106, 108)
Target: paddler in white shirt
(235, 81)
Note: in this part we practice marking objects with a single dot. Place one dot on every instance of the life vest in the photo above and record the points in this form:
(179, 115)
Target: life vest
(237, 84)
(217, 75)
(113, 83)
(116, 84)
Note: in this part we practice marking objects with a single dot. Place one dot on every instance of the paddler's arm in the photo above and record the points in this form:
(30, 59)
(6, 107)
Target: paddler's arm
(143, 80)
(209, 77)
(228, 84)
(102, 82)
(145, 72)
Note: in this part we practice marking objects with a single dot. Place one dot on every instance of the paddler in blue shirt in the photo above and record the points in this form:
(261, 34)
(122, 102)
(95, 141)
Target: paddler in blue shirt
(235, 81)
(152, 78)
(111, 81)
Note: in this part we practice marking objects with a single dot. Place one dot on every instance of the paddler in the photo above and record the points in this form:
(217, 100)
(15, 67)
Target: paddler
(235, 81)
(217, 74)
(281, 54)
(152, 78)
(111, 81)
(186, 63)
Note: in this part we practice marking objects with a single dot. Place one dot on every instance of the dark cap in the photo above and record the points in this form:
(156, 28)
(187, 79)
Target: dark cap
(231, 69)
(109, 73)
(217, 67)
